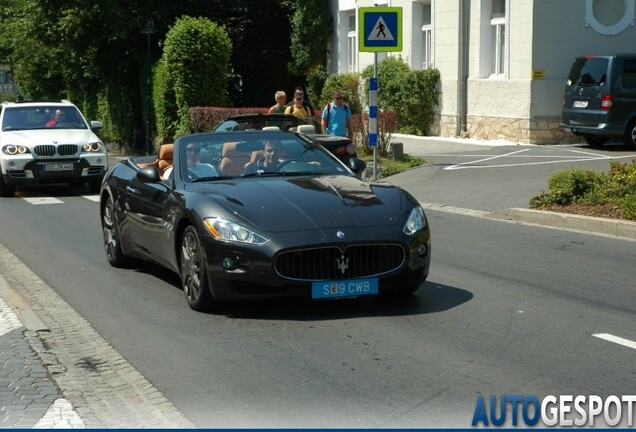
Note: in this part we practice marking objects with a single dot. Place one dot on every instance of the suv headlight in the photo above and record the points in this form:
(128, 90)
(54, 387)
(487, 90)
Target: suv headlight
(415, 222)
(92, 147)
(226, 230)
(12, 149)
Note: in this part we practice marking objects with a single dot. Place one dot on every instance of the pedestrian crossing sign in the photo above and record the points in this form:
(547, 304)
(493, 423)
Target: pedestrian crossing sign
(380, 29)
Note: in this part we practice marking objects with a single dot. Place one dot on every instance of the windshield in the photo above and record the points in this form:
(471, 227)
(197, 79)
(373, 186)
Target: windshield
(253, 155)
(42, 117)
(266, 122)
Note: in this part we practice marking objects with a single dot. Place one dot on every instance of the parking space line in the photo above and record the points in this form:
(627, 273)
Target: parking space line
(463, 165)
(42, 200)
(615, 339)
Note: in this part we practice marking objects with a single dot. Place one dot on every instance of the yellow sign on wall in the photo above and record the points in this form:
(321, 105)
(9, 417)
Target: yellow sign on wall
(538, 74)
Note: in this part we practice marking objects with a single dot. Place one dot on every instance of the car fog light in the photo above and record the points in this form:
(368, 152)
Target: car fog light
(228, 263)
(421, 251)
(99, 160)
(11, 164)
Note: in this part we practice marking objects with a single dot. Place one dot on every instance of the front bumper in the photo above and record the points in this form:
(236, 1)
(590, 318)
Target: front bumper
(254, 275)
(21, 170)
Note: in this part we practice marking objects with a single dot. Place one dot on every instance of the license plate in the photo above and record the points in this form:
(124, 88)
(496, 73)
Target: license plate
(57, 167)
(344, 288)
(580, 104)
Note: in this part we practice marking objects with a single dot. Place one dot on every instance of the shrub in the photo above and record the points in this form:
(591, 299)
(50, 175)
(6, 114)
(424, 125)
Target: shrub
(197, 54)
(617, 187)
(204, 119)
(412, 95)
(348, 84)
(387, 122)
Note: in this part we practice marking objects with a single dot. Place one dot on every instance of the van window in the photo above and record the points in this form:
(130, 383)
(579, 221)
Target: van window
(629, 74)
(588, 72)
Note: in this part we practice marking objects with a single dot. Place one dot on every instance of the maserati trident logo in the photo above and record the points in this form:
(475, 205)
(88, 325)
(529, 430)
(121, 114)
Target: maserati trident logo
(343, 263)
(340, 234)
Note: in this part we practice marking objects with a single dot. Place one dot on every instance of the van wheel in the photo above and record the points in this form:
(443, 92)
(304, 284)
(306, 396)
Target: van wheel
(595, 141)
(6, 190)
(630, 135)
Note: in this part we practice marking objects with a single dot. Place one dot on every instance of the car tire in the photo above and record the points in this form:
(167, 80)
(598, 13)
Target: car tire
(595, 140)
(95, 186)
(630, 135)
(114, 254)
(6, 190)
(194, 277)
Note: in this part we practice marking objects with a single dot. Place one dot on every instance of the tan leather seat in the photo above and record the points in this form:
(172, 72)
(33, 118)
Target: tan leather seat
(232, 160)
(165, 158)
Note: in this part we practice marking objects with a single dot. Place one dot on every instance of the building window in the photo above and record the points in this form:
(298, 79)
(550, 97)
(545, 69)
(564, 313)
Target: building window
(498, 38)
(427, 34)
(4, 77)
(609, 17)
(422, 47)
(352, 44)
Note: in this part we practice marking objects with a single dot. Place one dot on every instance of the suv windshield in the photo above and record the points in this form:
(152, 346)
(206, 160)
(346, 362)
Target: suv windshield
(42, 117)
(588, 72)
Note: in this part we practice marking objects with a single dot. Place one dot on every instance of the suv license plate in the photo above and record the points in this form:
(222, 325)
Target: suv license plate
(344, 288)
(57, 167)
(580, 104)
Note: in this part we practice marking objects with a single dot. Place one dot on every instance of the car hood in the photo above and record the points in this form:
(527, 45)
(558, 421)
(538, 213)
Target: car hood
(299, 203)
(49, 136)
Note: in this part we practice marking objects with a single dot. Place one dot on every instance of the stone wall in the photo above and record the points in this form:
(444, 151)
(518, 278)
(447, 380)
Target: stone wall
(531, 131)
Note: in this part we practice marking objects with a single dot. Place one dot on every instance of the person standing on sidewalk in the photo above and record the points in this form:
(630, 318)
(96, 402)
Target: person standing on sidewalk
(336, 117)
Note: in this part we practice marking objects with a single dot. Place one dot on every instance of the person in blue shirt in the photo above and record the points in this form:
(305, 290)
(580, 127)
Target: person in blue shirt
(336, 117)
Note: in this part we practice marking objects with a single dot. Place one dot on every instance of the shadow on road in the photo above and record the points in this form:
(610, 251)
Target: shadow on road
(430, 298)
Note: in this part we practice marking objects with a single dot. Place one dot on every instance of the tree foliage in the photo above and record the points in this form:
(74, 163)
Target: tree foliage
(197, 55)
(100, 53)
(412, 94)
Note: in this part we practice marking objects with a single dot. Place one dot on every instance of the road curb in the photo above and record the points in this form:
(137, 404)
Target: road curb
(21, 307)
(613, 227)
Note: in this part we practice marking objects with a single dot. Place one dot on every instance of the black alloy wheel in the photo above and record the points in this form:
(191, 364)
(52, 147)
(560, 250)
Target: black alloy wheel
(115, 256)
(630, 135)
(194, 272)
(5, 189)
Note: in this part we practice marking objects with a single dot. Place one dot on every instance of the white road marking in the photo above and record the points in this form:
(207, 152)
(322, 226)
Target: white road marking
(94, 198)
(60, 415)
(43, 200)
(617, 340)
(578, 156)
(462, 165)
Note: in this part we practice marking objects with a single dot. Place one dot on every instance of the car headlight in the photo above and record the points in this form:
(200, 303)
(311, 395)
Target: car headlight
(415, 222)
(92, 147)
(12, 149)
(226, 230)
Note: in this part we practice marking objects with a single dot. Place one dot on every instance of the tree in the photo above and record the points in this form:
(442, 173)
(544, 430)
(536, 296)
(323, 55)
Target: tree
(197, 54)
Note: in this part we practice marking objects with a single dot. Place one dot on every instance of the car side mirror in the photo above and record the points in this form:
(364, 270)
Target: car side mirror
(149, 174)
(96, 125)
(357, 165)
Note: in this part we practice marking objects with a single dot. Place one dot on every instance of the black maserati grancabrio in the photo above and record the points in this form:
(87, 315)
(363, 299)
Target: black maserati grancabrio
(262, 214)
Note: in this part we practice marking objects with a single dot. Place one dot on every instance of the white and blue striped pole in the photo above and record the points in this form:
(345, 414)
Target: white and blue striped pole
(373, 115)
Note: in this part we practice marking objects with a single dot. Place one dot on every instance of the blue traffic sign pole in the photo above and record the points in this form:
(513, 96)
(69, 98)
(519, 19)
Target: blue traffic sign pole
(380, 30)
(373, 115)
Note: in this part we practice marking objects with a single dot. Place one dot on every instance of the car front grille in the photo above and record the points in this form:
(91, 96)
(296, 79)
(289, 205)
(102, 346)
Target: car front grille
(335, 263)
(51, 150)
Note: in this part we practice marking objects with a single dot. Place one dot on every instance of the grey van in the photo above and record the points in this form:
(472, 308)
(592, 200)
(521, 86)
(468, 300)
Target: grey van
(600, 99)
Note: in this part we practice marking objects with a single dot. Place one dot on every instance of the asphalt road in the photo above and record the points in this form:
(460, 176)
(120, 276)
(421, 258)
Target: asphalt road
(508, 308)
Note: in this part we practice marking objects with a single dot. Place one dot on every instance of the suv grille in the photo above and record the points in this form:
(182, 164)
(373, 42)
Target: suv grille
(49, 150)
(334, 263)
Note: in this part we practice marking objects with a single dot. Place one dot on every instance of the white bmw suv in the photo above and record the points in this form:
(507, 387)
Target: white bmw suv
(48, 142)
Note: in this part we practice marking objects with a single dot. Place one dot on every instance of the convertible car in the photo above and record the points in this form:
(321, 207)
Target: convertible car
(305, 226)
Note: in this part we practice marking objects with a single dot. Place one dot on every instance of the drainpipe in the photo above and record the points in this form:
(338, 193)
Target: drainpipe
(462, 73)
